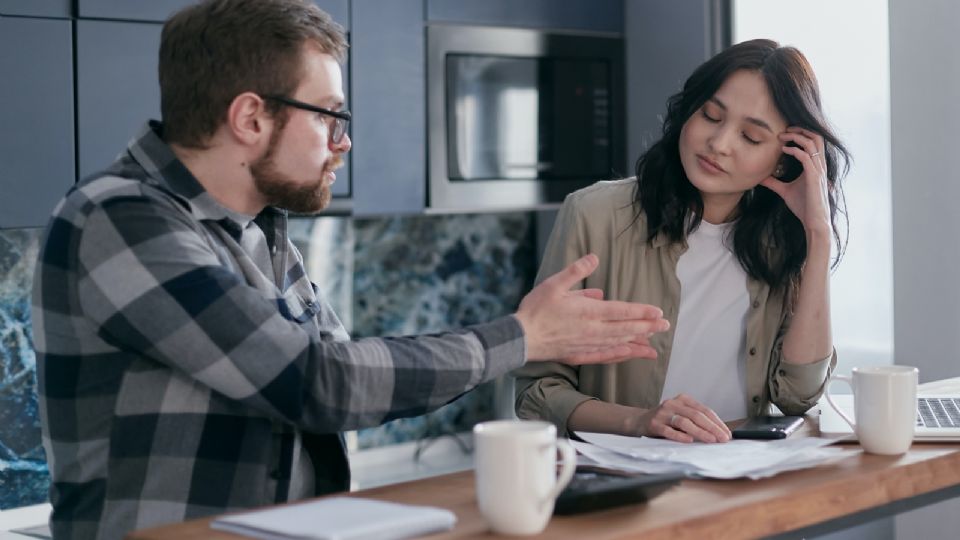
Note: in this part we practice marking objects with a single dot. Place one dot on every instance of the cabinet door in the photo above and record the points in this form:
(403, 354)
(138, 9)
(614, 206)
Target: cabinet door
(140, 10)
(389, 94)
(159, 10)
(117, 87)
(664, 43)
(340, 11)
(36, 119)
(596, 15)
(38, 8)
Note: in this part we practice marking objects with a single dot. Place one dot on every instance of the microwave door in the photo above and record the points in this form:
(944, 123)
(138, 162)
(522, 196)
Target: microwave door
(494, 118)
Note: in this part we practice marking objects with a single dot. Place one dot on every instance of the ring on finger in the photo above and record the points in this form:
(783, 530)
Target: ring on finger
(815, 154)
(671, 422)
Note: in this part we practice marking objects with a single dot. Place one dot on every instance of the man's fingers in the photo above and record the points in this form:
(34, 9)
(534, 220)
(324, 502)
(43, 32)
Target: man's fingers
(574, 273)
(615, 310)
(598, 331)
(595, 294)
(615, 353)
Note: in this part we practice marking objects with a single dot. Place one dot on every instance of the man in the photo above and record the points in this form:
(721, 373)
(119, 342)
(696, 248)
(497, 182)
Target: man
(186, 364)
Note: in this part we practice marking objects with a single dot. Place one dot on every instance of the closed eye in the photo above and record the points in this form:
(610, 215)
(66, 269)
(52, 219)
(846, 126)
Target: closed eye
(749, 140)
(708, 117)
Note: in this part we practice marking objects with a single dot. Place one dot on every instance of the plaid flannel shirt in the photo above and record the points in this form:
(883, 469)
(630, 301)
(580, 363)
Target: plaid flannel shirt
(167, 362)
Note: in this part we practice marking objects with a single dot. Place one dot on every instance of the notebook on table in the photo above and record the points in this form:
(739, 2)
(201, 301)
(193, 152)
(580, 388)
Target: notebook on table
(338, 518)
(938, 418)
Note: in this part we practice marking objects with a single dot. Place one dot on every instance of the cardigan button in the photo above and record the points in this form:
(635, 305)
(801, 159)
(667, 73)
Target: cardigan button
(753, 351)
(756, 304)
(782, 372)
(756, 399)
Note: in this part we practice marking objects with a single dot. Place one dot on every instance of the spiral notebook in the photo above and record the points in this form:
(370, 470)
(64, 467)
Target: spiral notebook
(339, 518)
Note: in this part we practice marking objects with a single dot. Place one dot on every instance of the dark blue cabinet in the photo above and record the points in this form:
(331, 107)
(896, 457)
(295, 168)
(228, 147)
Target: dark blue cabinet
(159, 10)
(117, 87)
(590, 15)
(139, 10)
(36, 8)
(36, 119)
(389, 101)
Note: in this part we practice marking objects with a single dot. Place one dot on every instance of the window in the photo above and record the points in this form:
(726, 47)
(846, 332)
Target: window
(854, 75)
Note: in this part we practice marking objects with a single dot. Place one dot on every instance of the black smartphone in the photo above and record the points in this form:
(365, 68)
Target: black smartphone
(789, 167)
(768, 427)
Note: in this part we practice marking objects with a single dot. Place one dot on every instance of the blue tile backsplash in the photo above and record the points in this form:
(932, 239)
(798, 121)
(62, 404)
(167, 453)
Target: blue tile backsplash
(384, 276)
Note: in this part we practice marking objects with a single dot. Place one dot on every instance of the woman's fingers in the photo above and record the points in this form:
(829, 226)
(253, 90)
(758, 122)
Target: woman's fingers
(686, 415)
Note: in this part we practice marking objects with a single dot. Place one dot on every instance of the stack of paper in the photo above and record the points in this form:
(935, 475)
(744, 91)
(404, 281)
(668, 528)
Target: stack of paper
(735, 459)
(339, 518)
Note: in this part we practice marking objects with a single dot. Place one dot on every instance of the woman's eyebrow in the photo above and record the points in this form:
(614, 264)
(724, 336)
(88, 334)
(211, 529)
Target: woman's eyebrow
(752, 120)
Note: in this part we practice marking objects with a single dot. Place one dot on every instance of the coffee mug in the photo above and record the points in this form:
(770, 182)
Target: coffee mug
(885, 407)
(516, 473)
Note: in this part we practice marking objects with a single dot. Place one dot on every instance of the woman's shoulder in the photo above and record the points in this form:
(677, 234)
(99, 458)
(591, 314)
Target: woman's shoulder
(605, 195)
(604, 207)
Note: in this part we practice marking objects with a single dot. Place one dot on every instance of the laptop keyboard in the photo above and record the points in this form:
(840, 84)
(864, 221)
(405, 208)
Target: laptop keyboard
(938, 412)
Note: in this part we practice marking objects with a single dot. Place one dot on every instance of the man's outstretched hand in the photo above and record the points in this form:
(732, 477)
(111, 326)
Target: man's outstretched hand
(580, 327)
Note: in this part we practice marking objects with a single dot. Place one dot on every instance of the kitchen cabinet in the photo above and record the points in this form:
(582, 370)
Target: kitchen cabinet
(159, 10)
(665, 42)
(591, 15)
(36, 8)
(154, 10)
(36, 119)
(117, 87)
(387, 61)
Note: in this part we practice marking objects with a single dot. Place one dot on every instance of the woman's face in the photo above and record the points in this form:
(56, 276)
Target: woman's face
(731, 143)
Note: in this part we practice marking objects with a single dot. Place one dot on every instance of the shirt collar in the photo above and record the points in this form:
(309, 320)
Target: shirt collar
(165, 171)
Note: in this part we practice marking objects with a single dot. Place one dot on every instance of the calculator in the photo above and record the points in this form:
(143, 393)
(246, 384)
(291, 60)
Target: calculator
(597, 489)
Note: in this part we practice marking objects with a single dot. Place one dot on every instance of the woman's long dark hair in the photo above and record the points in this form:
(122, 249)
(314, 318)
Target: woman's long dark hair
(768, 240)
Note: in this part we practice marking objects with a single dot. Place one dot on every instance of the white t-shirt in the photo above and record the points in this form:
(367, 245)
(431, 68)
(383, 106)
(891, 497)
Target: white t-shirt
(708, 361)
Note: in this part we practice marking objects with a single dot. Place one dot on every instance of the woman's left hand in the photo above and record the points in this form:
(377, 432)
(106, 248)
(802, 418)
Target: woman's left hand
(807, 196)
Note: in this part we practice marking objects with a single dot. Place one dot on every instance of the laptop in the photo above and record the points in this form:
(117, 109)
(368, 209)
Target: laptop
(938, 418)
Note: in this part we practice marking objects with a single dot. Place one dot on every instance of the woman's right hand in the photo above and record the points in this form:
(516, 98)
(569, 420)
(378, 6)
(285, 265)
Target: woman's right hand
(683, 419)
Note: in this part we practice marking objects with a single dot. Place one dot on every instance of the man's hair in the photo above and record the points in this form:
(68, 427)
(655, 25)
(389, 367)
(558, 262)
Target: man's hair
(215, 50)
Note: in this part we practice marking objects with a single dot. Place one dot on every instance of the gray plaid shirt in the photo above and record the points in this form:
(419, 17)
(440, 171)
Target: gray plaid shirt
(177, 380)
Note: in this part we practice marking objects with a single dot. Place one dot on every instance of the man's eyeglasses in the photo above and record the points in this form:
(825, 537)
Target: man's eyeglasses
(340, 118)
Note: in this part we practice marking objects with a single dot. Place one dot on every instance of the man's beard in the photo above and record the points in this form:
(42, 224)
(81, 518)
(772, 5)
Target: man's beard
(282, 192)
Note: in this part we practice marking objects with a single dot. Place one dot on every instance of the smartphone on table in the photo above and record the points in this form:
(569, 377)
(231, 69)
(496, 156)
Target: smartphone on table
(768, 427)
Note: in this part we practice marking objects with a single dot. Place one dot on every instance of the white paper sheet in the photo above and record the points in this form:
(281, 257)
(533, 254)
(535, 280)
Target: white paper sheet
(735, 459)
(339, 518)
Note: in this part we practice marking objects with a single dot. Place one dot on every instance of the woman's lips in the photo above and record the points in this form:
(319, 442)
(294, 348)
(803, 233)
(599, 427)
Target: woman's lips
(709, 165)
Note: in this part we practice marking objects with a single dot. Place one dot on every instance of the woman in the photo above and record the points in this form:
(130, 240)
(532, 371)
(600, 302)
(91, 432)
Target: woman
(716, 231)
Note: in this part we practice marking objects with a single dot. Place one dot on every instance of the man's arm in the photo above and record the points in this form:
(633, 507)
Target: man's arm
(152, 285)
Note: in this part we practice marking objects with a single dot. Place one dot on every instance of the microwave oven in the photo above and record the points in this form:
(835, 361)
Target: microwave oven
(519, 118)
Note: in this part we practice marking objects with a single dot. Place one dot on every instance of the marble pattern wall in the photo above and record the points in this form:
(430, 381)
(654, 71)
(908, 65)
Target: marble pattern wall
(422, 274)
(384, 276)
(23, 473)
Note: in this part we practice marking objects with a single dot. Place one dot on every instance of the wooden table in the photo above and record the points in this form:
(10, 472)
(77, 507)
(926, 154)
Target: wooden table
(802, 503)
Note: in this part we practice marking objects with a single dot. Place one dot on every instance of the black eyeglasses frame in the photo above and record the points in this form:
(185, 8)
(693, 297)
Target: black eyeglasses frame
(340, 117)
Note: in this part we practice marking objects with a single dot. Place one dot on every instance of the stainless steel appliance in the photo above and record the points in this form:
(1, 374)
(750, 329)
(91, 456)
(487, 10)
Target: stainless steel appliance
(519, 118)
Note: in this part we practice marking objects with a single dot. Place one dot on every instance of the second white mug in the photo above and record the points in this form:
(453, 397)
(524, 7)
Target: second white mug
(885, 407)
(516, 473)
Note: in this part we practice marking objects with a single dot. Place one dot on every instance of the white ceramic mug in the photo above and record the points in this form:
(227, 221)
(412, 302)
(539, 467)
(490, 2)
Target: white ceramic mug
(885, 407)
(516, 473)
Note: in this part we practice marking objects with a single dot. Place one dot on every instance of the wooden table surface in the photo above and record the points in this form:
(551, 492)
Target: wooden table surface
(695, 509)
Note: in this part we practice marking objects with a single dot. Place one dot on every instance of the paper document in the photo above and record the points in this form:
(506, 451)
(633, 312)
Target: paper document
(339, 518)
(738, 458)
